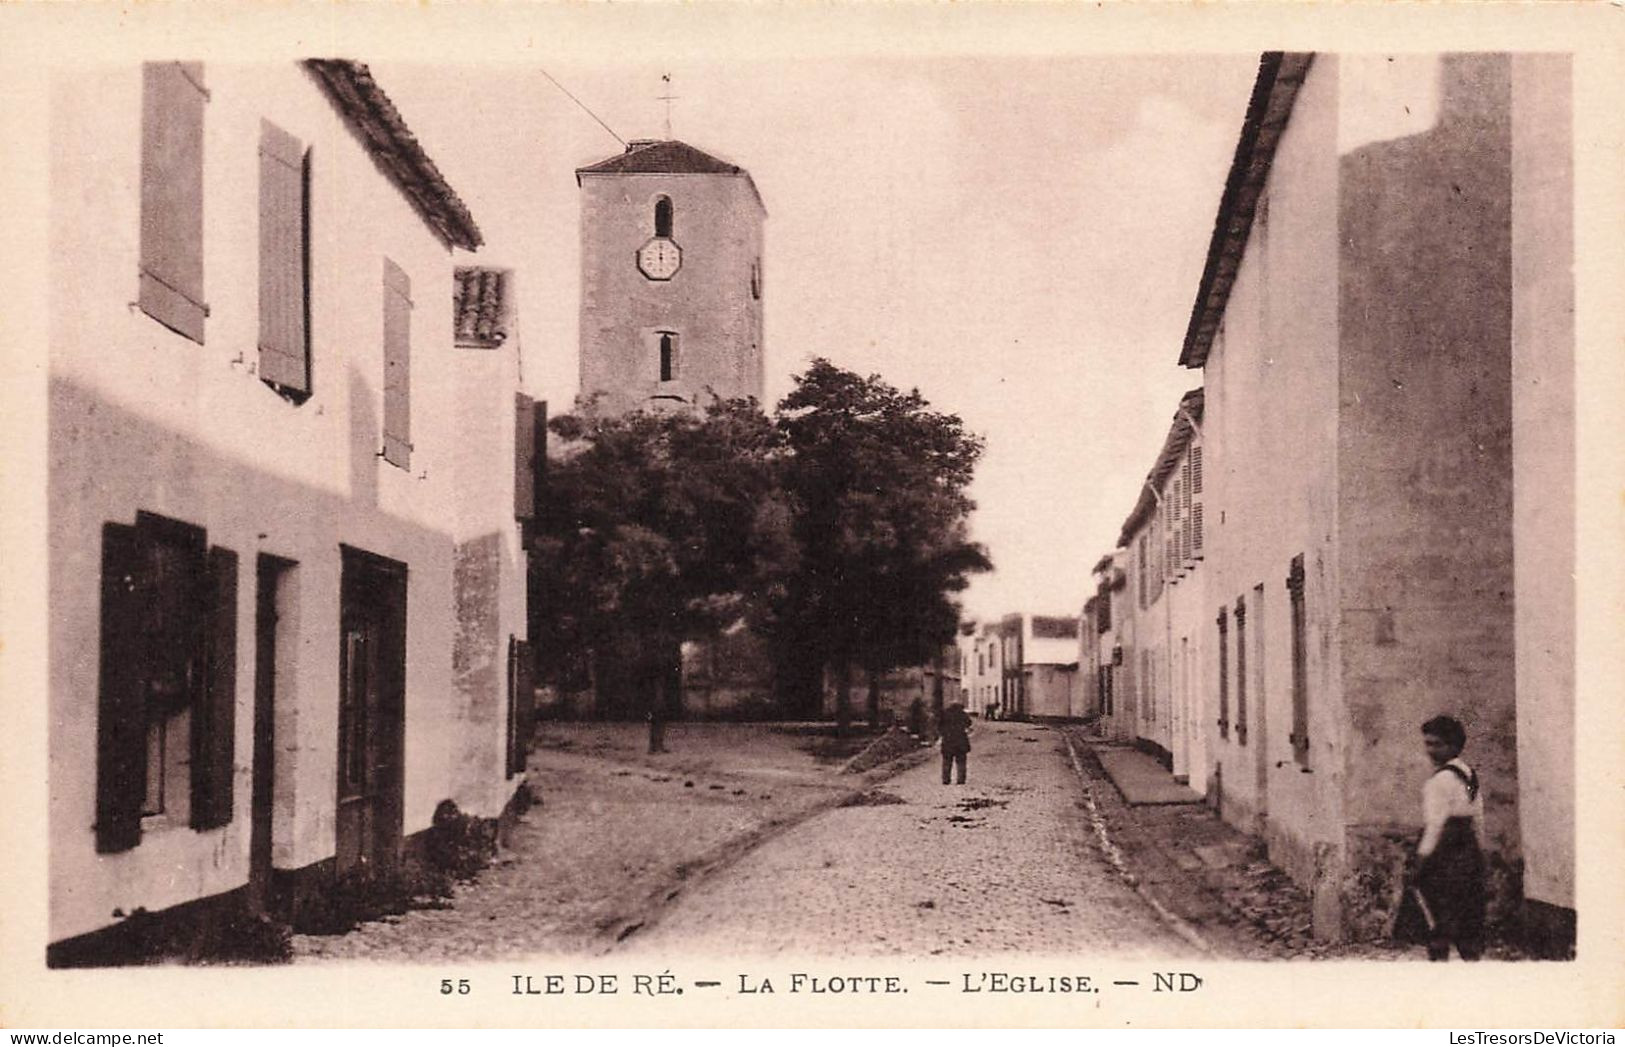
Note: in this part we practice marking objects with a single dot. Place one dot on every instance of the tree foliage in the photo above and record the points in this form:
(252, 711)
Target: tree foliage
(655, 528)
(837, 530)
(876, 483)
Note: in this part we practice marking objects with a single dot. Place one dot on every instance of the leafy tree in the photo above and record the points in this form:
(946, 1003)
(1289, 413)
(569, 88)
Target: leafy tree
(875, 482)
(655, 529)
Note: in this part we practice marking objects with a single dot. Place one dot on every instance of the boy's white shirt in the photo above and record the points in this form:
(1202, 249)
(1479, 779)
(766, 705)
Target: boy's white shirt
(1444, 796)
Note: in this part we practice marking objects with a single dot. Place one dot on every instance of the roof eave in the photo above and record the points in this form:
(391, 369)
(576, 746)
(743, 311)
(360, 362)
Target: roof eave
(741, 173)
(1280, 74)
(384, 135)
(1191, 407)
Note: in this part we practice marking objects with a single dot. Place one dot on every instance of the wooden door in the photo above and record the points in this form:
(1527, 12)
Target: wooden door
(372, 701)
(269, 575)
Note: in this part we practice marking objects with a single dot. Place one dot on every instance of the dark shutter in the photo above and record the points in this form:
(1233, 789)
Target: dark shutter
(521, 704)
(214, 719)
(1300, 663)
(284, 348)
(171, 282)
(524, 457)
(121, 718)
(1224, 673)
(1241, 670)
(397, 366)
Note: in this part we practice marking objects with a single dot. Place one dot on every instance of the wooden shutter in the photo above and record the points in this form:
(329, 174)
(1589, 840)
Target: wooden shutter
(1185, 537)
(121, 718)
(1196, 469)
(521, 704)
(1224, 673)
(524, 457)
(1300, 663)
(1241, 670)
(214, 719)
(171, 280)
(284, 346)
(397, 366)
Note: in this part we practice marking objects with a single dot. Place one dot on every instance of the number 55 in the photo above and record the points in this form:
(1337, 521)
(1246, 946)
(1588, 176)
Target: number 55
(461, 988)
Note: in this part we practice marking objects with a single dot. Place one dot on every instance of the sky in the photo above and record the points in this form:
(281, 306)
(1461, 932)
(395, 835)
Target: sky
(1018, 237)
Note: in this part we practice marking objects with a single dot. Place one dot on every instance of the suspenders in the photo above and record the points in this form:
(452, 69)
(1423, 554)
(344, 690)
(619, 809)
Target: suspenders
(1468, 778)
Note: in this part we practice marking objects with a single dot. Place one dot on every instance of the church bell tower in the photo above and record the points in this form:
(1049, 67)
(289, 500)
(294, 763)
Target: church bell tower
(671, 279)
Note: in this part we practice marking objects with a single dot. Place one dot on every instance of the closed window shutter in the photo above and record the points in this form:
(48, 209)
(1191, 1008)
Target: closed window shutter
(1300, 662)
(1241, 670)
(397, 366)
(1170, 551)
(1185, 536)
(1196, 470)
(171, 281)
(524, 457)
(121, 719)
(284, 345)
(521, 704)
(214, 719)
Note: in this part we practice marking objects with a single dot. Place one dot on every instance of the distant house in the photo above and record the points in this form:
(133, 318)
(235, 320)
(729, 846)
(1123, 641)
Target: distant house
(1023, 664)
(1160, 627)
(1100, 658)
(289, 463)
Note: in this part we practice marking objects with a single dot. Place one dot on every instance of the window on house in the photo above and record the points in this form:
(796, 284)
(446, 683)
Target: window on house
(1241, 670)
(1186, 537)
(1300, 663)
(1224, 673)
(284, 262)
(668, 356)
(1170, 551)
(663, 216)
(167, 695)
(171, 277)
(1140, 569)
(756, 278)
(397, 366)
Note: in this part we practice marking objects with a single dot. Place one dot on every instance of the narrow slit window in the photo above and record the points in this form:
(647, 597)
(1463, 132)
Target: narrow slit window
(668, 356)
(663, 216)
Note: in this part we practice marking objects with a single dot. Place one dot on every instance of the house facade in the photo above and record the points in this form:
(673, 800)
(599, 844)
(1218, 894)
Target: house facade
(1157, 632)
(1385, 313)
(1100, 656)
(287, 451)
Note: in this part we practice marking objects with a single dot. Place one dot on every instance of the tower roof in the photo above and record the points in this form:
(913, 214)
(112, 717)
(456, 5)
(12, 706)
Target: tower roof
(667, 156)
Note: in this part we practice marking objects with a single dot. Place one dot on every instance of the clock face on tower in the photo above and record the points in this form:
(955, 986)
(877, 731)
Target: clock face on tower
(660, 258)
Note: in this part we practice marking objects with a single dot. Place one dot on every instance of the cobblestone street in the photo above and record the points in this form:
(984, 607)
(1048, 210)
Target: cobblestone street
(1004, 863)
(749, 840)
(618, 834)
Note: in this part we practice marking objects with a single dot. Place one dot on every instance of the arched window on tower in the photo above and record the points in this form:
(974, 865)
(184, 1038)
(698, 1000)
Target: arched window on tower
(663, 216)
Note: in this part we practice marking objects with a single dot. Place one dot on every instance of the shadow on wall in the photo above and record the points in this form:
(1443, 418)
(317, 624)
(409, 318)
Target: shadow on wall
(106, 464)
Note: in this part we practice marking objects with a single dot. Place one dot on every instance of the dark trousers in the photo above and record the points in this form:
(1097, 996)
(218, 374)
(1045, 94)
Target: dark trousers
(951, 761)
(1452, 880)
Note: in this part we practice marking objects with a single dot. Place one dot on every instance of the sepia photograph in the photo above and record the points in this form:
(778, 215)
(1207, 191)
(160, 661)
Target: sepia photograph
(687, 523)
